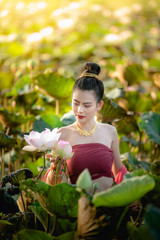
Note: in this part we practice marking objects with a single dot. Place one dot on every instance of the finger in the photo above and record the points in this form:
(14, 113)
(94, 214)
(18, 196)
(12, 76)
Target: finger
(49, 155)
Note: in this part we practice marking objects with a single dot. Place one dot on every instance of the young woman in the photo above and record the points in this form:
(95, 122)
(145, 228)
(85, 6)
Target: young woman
(95, 145)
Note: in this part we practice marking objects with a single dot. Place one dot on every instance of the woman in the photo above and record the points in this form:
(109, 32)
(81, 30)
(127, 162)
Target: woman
(95, 145)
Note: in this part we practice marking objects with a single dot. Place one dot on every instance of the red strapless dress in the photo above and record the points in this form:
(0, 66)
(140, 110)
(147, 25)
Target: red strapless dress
(97, 157)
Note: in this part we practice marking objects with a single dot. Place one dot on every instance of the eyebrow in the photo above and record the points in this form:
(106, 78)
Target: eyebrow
(83, 103)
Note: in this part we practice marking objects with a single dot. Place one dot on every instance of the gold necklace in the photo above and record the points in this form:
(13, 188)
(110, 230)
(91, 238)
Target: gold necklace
(85, 133)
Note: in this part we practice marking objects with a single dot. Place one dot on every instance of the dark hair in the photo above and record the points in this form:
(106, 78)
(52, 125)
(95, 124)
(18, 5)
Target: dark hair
(91, 82)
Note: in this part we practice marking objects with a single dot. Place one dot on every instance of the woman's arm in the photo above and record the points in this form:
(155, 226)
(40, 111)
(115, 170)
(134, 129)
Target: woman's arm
(117, 164)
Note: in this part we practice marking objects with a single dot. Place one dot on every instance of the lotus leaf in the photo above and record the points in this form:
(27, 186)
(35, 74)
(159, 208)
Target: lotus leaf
(28, 234)
(61, 199)
(13, 120)
(5, 226)
(124, 193)
(111, 111)
(138, 101)
(68, 118)
(153, 196)
(152, 217)
(66, 236)
(55, 85)
(49, 120)
(150, 229)
(43, 216)
(6, 141)
(134, 73)
(19, 86)
(150, 122)
(127, 125)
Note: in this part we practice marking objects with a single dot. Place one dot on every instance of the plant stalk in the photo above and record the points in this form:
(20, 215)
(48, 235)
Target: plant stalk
(43, 166)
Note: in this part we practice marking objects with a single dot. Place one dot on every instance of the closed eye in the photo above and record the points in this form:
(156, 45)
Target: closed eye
(87, 106)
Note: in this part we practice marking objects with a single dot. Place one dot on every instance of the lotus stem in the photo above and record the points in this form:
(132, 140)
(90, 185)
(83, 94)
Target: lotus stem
(43, 166)
(57, 107)
(23, 205)
(57, 168)
(48, 222)
(121, 218)
(2, 162)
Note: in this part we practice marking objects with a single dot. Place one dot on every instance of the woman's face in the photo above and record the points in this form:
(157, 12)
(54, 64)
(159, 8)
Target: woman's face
(84, 104)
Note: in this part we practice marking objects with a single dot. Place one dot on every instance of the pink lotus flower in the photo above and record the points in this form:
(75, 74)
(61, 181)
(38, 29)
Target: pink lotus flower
(63, 149)
(43, 141)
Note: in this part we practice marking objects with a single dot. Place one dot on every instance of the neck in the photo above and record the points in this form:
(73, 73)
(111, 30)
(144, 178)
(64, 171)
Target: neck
(86, 127)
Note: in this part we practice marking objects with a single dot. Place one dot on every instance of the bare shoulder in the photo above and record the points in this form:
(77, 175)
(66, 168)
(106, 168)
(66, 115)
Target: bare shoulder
(66, 131)
(109, 128)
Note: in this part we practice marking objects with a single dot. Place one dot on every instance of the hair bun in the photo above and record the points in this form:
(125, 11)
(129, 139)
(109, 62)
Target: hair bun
(92, 68)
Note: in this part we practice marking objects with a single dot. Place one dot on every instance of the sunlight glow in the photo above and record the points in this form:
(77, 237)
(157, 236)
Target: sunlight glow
(38, 36)
(34, 7)
(70, 7)
(41, 5)
(74, 5)
(65, 23)
(136, 7)
(46, 31)
(122, 12)
(7, 38)
(20, 6)
(4, 13)
(117, 38)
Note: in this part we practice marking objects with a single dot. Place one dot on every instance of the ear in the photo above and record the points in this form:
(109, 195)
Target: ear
(99, 105)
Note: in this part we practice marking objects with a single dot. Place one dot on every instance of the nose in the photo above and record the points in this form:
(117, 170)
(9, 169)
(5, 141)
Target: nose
(80, 108)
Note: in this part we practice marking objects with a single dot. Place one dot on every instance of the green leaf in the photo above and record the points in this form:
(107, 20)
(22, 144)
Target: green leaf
(68, 118)
(55, 85)
(139, 233)
(155, 167)
(64, 225)
(127, 125)
(153, 196)
(43, 216)
(150, 122)
(124, 193)
(52, 120)
(39, 125)
(152, 217)
(65, 236)
(13, 120)
(5, 80)
(84, 180)
(49, 120)
(34, 166)
(111, 111)
(134, 163)
(6, 141)
(150, 229)
(134, 73)
(61, 199)
(19, 86)
(28, 234)
(5, 226)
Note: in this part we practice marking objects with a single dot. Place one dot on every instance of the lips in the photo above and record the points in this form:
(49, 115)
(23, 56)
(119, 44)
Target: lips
(80, 117)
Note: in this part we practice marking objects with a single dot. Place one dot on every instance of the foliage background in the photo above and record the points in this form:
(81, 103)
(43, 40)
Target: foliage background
(43, 48)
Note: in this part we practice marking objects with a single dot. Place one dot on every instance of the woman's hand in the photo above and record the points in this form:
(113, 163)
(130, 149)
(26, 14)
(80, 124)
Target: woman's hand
(52, 179)
(54, 161)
